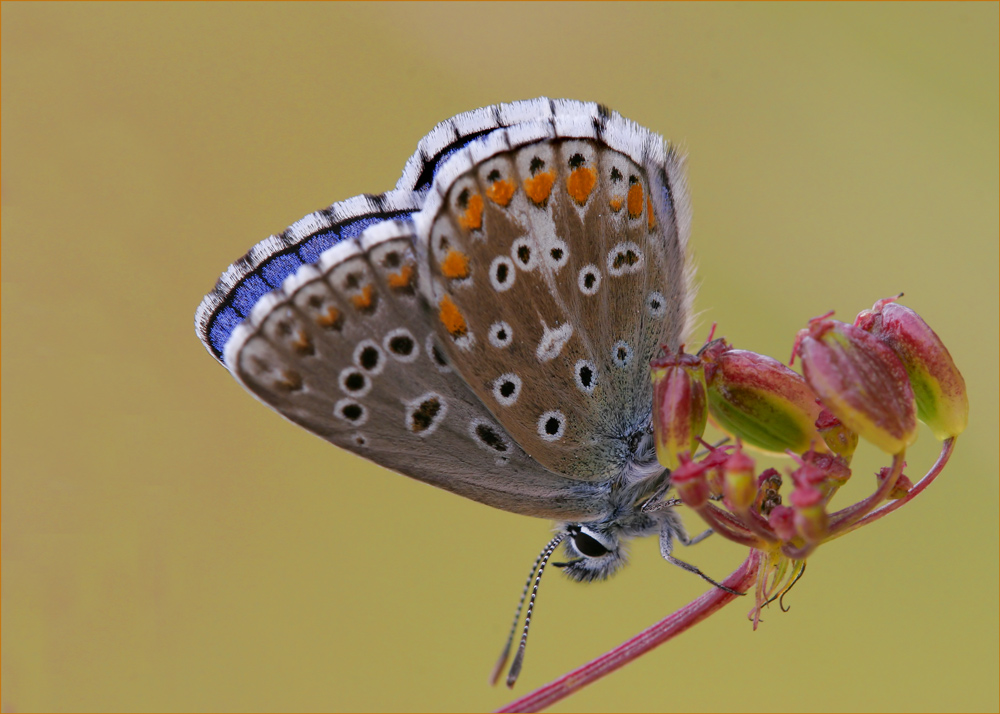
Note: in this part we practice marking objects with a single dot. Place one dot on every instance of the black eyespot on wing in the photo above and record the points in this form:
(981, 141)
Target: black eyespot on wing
(552, 426)
(576, 161)
(401, 345)
(588, 280)
(507, 388)
(352, 412)
(439, 356)
(501, 273)
(489, 437)
(493, 175)
(627, 257)
(537, 164)
(355, 381)
(616, 175)
(424, 414)
(524, 254)
(369, 358)
(556, 253)
(586, 376)
(391, 260)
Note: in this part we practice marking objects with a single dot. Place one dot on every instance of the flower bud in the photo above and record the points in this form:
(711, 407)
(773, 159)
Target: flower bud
(679, 406)
(811, 520)
(938, 386)
(689, 481)
(861, 381)
(840, 440)
(759, 400)
(739, 482)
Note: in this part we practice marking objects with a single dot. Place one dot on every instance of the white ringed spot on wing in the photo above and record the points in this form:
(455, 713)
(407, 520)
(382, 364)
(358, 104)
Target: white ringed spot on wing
(354, 382)
(523, 254)
(589, 279)
(436, 355)
(369, 357)
(400, 344)
(656, 304)
(501, 334)
(556, 255)
(552, 425)
(351, 411)
(585, 375)
(425, 413)
(624, 258)
(502, 273)
(507, 388)
(490, 437)
(621, 354)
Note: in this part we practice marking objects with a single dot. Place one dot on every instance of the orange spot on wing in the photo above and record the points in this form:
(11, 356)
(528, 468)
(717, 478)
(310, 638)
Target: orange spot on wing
(331, 319)
(455, 265)
(650, 216)
(635, 200)
(501, 192)
(365, 300)
(616, 203)
(472, 220)
(580, 183)
(401, 280)
(539, 187)
(451, 318)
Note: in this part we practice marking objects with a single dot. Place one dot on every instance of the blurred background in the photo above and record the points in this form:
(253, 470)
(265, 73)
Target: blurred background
(171, 544)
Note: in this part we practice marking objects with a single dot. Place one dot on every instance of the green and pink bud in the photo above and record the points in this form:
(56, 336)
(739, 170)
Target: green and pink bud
(739, 482)
(811, 519)
(861, 381)
(680, 410)
(938, 386)
(759, 400)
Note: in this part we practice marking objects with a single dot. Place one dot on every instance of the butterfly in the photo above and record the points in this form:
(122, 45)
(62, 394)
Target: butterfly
(487, 326)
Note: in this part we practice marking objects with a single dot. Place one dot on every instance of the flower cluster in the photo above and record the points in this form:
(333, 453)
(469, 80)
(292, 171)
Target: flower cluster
(872, 379)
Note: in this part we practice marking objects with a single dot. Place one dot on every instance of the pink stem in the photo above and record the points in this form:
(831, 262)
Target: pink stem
(741, 580)
(947, 448)
(725, 525)
(842, 520)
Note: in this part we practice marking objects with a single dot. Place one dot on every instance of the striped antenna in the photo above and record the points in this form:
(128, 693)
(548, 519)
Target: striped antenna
(515, 666)
(502, 661)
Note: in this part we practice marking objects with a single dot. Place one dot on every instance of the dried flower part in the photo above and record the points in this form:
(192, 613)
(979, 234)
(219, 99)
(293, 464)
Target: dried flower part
(938, 386)
(680, 410)
(838, 438)
(759, 400)
(861, 381)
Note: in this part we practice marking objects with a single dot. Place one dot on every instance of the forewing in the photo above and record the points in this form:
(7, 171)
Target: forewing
(554, 254)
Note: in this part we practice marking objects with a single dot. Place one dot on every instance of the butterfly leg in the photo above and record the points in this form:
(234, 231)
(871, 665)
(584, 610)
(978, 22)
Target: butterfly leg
(672, 527)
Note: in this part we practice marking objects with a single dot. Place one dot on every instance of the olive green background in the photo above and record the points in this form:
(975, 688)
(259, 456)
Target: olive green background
(171, 544)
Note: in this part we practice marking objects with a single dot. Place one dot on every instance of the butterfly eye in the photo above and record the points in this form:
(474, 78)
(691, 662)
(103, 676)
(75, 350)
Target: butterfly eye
(588, 546)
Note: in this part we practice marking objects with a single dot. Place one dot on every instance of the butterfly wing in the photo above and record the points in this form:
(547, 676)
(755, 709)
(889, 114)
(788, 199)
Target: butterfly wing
(344, 347)
(554, 254)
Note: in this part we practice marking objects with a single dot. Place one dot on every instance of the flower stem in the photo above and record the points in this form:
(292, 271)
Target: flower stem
(947, 448)
(741, 580)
